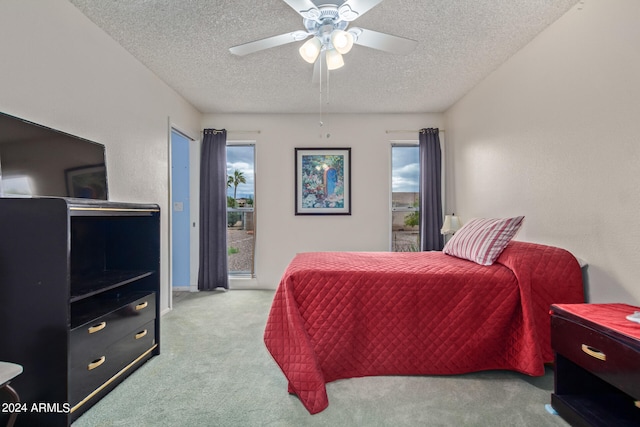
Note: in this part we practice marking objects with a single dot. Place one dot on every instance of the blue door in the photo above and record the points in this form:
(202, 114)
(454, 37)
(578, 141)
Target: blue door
(180, 217)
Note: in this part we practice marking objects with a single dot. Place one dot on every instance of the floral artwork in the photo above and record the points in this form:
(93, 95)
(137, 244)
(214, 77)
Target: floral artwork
(322, 181)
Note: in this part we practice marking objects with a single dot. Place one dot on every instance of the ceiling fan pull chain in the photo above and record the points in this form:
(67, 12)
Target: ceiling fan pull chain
(327, 97)
(328, 89)
(320, 94)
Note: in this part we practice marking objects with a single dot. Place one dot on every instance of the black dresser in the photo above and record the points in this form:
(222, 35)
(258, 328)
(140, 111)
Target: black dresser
(597, 364)
(79, 291)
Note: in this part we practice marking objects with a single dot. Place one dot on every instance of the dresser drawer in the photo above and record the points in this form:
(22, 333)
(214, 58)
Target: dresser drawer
(105, 330)
(89, 373)
(598, 353)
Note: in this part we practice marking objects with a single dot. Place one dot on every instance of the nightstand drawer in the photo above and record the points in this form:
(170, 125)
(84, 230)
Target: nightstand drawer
(598, 353)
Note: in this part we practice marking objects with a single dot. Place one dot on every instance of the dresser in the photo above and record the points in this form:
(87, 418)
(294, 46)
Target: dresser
(597, 364)
(79, 286)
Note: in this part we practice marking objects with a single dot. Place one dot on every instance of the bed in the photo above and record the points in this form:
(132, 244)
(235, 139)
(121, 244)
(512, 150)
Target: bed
(342, 315)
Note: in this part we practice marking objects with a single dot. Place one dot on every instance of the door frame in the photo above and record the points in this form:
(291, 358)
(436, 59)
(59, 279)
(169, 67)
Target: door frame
(194, 145)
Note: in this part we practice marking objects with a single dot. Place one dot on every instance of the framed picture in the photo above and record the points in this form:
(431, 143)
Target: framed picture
(323, 181)
(87, 182)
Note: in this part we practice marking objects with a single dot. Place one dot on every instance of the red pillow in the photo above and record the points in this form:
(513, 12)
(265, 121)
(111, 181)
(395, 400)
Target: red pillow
(481, 240)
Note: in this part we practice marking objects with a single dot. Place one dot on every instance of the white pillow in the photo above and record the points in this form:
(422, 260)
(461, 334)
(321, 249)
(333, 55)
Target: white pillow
(481, 240)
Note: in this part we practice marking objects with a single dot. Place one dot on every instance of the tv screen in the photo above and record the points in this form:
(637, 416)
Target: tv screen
(39, 161)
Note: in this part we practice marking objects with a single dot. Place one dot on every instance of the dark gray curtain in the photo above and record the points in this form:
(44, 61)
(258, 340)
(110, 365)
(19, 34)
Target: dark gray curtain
(430, 190)
(213, 272)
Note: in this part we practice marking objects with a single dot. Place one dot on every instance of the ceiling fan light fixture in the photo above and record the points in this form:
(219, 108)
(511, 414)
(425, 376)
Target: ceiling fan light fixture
(342, 41)
(334, 60)
(310, 50)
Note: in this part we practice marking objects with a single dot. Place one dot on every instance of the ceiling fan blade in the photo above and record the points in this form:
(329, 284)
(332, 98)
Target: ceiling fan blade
(269, 42)
(360, 7)
(305, 8)
(382, 41)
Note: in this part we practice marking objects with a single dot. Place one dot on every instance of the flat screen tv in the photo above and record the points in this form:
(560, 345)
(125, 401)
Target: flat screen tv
(39, 161)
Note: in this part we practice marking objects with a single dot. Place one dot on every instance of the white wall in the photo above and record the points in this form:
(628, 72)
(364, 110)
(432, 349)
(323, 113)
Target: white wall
(58, 69)
(554, 134)
(551, 134)
(280, 234)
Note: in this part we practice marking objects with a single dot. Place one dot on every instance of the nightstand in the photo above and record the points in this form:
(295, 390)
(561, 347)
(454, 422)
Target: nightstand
(597, 364)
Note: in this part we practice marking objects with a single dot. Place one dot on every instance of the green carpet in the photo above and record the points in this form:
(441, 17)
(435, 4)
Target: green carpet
(214, 370)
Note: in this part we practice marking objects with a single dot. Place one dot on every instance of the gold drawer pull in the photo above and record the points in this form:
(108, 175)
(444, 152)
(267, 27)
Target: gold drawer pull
(141, 334)
(594, 352)
(142, 306)
(637, 402)
(95, 328)
(96, 363)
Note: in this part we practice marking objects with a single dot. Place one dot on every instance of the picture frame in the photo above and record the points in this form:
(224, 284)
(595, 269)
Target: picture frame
(87, 182)
(323, 181)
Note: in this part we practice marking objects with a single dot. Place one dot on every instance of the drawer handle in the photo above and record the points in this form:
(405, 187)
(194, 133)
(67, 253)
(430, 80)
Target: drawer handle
(95, 328)
(637, 402)
(142, 306)
(594, 352)
(141, 334)
(96, 363)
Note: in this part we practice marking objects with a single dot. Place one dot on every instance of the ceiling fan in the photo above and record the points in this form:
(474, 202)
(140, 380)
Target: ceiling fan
(328, 24)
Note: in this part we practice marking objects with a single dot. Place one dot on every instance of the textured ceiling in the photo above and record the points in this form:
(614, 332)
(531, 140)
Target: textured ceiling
(186, 44)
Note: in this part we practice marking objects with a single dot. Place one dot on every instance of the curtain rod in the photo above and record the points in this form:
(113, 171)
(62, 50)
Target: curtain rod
(408, 131)
(236, 131)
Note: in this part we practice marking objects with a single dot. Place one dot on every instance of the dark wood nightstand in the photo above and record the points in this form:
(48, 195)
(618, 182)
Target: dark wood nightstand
(597, 364)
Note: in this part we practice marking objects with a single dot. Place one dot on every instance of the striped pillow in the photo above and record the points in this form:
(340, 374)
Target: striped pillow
(481, 240)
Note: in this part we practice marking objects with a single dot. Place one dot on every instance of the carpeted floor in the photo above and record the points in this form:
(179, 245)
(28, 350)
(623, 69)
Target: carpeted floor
(214, 370)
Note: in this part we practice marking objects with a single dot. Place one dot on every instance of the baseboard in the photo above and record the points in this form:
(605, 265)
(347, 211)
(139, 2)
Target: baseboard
(243, 283)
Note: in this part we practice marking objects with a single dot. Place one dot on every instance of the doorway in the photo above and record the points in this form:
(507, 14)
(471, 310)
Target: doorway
(180, 212)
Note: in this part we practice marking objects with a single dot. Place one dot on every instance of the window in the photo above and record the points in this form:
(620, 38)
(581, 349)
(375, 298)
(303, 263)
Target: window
(241, 230)
(405, 197)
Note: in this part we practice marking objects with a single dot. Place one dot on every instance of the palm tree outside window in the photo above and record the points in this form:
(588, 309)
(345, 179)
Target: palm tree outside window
(233, 181)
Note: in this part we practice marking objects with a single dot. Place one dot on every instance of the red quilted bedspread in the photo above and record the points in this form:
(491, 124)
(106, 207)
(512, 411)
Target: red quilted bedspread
(352, 314)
